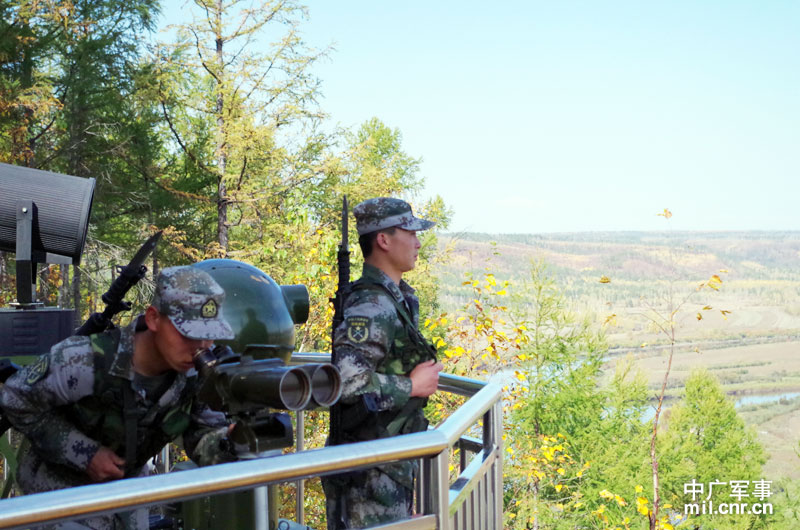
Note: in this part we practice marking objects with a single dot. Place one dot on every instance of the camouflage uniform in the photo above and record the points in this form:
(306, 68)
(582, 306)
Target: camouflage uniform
(377, 345)
(54, 402)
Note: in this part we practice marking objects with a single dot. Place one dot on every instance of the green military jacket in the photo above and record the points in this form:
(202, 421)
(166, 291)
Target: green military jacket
(377, 347)
(68, 404)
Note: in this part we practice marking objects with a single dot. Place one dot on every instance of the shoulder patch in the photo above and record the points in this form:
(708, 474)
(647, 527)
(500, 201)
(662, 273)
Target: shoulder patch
(38, 370)
(358, 329)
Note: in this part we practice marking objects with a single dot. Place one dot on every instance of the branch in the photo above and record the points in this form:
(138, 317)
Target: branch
(202, 59)
(184, 148)
(241, 173)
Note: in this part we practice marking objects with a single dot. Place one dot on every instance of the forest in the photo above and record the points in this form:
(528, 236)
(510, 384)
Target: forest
(216, 137)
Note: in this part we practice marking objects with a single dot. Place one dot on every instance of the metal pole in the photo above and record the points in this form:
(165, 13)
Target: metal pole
(497, 421)
(165, 459)
(440, 489)
(261, 508)
(300, 491)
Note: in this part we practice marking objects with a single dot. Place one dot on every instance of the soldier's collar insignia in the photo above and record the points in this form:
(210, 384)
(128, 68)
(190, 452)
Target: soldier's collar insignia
(358, 329)
(209, 309)
(38, 370)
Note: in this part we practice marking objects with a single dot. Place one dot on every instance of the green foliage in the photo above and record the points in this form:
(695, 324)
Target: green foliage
(567, 439)
(707, 441)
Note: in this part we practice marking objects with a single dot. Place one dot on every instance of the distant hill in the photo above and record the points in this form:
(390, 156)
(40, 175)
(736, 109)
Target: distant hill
(760, 273)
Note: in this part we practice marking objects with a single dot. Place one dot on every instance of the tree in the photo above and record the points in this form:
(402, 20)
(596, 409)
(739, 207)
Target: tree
(27, 99)
(706, 442)
(227, 96)
(68, 73)
(567, 438)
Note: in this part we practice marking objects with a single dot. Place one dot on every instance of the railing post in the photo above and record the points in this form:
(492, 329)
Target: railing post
(422, 487)
(437, 499)
(300, 492)
(497, 483)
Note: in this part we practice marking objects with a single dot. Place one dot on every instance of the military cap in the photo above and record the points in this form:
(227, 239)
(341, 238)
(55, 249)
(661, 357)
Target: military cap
(385, 212)
(192, 300)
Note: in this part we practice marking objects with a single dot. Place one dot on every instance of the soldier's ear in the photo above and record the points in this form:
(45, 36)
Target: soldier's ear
(151, 318)
(382, 241)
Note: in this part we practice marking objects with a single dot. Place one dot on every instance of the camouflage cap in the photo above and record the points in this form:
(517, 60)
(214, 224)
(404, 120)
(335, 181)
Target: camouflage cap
(192, 300)
(385, 212)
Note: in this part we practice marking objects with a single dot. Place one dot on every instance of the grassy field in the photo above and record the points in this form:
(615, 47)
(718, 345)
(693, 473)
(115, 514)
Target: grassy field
(753, 347)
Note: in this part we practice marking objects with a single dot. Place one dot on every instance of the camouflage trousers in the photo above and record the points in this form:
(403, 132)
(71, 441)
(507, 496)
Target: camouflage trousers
(370, 498)
(35, 476)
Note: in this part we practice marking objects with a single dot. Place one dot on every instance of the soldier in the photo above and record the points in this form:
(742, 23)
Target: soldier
(97, 408)
(388, 369)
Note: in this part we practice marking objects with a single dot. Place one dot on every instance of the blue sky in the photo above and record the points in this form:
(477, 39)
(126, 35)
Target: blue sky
(579, 115)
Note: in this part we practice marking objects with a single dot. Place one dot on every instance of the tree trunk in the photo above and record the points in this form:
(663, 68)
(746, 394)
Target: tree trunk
(76, 294)
(63, 290)
(222, 157)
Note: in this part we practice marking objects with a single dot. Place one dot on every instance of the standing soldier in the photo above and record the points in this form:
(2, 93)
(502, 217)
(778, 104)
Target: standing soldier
(388, 369)
(97, 408)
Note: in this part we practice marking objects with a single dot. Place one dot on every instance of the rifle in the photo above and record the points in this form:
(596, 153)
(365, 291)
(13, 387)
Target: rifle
(129, 276)
(342, 290)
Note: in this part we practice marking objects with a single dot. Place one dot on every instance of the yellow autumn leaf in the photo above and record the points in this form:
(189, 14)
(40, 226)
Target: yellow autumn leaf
(706, 308)
(699, 316)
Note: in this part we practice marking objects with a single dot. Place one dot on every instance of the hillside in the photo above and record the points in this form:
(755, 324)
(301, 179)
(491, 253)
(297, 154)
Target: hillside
(761, 279)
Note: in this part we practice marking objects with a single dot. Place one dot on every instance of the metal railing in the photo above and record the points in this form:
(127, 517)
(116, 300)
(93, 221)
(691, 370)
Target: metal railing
(472, 501)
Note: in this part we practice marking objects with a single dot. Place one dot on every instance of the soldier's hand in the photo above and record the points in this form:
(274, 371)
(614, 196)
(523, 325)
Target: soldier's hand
(425, 378)
(105, 465)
